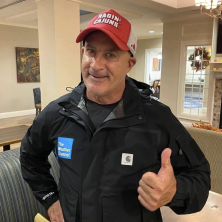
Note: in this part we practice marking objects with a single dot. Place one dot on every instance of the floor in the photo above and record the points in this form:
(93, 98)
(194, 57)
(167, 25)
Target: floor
(6, 122)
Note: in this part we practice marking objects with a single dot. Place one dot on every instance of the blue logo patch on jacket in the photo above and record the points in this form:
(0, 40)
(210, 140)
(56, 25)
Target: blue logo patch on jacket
(65, 147)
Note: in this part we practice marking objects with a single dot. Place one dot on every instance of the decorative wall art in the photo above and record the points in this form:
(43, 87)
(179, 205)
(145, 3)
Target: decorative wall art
(156, 64)
(27, 61)
(200, 59)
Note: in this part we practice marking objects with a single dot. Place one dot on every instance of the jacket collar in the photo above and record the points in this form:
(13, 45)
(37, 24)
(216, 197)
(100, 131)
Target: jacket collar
(129, 105)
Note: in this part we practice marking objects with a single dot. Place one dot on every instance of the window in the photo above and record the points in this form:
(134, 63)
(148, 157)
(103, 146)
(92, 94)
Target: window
(196, 81)
(194, 93)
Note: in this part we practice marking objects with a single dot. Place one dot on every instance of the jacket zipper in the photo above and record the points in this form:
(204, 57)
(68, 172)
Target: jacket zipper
(74, 114)
(118, 118)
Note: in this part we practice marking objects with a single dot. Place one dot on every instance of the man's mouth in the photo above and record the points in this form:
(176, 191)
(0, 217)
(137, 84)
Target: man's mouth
(97, 77)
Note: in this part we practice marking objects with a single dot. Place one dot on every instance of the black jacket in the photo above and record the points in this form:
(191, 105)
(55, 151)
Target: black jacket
(94, 184)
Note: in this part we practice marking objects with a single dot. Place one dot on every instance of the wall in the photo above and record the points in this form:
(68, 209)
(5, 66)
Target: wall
(15, 96)
(174, 32)
(138, 70)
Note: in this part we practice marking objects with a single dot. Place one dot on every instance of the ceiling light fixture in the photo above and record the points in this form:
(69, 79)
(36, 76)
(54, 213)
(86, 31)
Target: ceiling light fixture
(213, 7)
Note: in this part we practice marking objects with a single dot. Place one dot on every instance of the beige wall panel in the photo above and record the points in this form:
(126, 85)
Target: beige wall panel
(197, 29)
(15, 96)
(172, 38)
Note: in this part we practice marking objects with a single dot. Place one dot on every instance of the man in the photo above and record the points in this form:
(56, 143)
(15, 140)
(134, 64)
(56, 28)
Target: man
(111, 140)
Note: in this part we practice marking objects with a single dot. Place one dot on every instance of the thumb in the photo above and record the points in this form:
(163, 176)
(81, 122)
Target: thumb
(165, 158)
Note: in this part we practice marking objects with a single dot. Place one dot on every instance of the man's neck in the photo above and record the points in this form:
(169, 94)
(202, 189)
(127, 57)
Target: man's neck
(104, 99)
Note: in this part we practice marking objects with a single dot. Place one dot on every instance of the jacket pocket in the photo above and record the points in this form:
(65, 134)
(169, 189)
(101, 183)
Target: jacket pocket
(69, 202)
(191, 154)
(122, 208)
(149, 216)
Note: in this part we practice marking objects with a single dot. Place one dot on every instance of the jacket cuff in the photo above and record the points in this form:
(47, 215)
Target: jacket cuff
(178, 199)
(50, 201)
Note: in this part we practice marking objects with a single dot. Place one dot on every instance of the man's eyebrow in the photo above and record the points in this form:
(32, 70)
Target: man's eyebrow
(88, 45)
(112, 49)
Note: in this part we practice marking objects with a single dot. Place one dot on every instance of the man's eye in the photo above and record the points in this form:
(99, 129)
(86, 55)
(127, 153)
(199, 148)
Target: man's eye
(91, 51)
(110, 55)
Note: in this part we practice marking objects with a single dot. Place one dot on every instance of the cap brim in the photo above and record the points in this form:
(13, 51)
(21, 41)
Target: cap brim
(118, 41)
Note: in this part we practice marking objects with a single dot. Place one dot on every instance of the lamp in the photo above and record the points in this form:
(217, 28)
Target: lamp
(211, 4)
(200, 2)
(214, 6)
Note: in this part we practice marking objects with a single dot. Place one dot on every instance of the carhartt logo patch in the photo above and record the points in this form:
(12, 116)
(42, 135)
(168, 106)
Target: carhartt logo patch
(65, 147)
(127, 159)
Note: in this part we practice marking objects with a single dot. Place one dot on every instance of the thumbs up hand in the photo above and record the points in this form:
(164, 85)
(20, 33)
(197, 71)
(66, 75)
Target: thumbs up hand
(156, 190)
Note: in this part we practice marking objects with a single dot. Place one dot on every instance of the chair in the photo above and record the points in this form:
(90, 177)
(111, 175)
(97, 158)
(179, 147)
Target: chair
(37, 100)
(17, 202)
(156, 88)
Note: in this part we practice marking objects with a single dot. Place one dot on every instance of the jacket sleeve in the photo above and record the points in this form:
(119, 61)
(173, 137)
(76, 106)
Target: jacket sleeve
(35, 148)
(191, 168)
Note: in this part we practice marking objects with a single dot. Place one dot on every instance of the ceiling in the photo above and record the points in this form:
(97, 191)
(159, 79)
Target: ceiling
(145, 15)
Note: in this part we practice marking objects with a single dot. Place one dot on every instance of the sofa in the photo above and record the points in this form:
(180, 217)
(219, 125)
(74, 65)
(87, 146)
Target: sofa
(17, 203)
(210, 143)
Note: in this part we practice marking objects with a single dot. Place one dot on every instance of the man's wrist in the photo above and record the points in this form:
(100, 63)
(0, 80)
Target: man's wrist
(50, 200)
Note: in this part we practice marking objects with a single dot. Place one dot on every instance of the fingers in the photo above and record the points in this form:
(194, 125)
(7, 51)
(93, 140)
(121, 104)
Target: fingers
(151, 180)
(147, 201)
(149, 193)
(144, 189)
(55, 212)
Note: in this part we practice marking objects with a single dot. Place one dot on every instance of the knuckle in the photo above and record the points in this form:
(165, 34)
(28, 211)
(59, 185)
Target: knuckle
(152, 209)
(153, 206)
(145, 176)
(141, 182)
(161, 188)
(156, 198)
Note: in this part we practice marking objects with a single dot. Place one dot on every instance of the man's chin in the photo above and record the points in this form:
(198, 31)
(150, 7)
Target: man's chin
(94, 91)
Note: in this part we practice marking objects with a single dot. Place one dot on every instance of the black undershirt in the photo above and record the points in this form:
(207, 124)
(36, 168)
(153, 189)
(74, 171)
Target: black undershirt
(97, 112)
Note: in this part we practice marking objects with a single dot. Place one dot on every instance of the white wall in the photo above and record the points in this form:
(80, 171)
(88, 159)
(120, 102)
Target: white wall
(15, 96)
(174, 32)
(138, 70)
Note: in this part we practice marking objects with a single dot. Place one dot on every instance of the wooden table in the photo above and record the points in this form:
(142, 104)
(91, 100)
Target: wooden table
(10, 135)
(212, 212)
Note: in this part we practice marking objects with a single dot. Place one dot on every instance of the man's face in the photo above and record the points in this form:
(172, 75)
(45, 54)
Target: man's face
(104, 67)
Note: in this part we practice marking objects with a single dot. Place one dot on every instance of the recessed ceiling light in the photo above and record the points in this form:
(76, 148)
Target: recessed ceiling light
(151, 31)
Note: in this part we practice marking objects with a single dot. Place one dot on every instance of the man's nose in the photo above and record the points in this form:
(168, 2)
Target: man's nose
(98, 63)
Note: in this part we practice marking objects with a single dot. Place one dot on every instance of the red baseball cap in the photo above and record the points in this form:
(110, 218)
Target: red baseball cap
(115, 26)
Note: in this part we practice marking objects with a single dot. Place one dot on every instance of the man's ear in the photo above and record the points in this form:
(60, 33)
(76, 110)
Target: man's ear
(131, 63)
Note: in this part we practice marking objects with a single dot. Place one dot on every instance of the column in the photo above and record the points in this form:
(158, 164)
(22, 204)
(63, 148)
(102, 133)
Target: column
(58, 27)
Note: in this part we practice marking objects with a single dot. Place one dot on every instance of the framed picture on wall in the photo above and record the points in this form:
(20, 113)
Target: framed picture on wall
(156, 64)
(27, 62)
